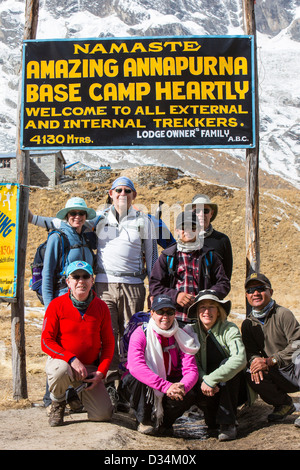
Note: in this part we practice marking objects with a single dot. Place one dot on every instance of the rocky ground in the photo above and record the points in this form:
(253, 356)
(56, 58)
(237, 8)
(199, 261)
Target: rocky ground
(24, 424)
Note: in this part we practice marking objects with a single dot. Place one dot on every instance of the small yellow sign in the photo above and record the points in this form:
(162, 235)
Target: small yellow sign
(9, 207)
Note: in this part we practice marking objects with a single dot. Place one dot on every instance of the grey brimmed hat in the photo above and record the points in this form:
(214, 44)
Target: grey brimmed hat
(258, 277)
(203, 199)
(73, 204)
(210, 295)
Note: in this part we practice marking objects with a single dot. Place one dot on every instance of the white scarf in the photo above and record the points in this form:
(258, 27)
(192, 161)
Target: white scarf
(188, 247)
(154, 355)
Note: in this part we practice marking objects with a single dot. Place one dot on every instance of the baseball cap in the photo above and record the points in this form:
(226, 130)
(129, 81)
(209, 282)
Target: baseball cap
(79, 265)
(258, 277)
(187, 219)
(162, 301)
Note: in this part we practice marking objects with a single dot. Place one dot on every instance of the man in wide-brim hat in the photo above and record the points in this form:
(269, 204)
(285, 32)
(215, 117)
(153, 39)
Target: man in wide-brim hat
(206, 212)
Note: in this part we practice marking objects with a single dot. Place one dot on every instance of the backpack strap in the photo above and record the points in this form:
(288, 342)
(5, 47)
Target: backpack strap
(170, 265)
(63, 246)
(100, 217)
(208, 259)
(140, 274)
(144, 327)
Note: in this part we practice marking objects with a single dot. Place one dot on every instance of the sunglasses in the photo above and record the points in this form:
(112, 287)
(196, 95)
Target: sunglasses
(169, 313)
(251, 290)
(188, 229)
(80, 276)
(126, 191)
(74, 213)
(210, 308)
(198, 211)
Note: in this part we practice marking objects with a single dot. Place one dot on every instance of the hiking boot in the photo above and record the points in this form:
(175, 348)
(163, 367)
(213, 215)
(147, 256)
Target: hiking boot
(145, 429)
(227, 432)
(212, 431)
(297, 422)
(75, 405)
(56, 417)
(113, 395)
(48, 409)
(280, 412)
(123, 405)
(73, 401)
(162, 431)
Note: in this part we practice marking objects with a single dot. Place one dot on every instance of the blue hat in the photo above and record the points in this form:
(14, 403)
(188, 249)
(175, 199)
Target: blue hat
(123, 181)
(162, 301)
(77, 265)
(76, 203)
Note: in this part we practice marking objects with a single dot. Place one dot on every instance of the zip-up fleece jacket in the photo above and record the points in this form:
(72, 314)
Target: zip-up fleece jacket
(163, 281)
(67, 334)
(277, 337)
(220, 242)
(227, 338)
(183, 365)
(79, 251)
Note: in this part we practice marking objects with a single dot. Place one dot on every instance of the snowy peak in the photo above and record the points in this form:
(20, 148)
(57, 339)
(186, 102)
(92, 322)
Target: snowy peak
(277, 23)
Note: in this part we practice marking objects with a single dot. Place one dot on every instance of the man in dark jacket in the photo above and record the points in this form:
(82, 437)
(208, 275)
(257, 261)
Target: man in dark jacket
(207, 212)
(271, 335)
(185, 268)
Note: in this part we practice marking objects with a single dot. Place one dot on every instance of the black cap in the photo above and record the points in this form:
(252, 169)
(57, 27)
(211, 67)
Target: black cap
(187, 219)
(258, 277)
(162, 301)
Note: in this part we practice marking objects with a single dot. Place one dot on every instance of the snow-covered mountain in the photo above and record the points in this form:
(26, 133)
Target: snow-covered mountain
(278, 37)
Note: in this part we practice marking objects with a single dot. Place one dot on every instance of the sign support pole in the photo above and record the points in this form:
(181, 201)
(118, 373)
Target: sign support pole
(23, 178)
(252, 163)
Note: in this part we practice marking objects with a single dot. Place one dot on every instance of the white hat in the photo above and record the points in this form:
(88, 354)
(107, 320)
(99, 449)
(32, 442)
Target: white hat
(76, 203)
(211, 295)
(203, 199)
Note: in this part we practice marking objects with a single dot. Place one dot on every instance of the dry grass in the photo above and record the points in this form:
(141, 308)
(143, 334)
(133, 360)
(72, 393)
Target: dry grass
(279, 246)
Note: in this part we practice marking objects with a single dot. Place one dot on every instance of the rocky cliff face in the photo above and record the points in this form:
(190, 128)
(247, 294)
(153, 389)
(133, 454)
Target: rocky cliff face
(278, 29)
(274, 16)
(213, 16)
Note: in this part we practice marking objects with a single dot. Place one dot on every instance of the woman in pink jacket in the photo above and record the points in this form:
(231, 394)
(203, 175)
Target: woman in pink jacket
(162, 370)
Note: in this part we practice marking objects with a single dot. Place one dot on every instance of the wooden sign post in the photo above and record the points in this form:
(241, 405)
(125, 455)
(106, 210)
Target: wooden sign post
(23, 178)
(252, 163)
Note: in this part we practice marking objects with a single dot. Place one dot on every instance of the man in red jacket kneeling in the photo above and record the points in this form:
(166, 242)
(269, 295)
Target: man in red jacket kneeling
(78, 337)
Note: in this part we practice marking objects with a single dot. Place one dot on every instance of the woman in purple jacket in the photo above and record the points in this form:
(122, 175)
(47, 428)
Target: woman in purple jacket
(162, 370)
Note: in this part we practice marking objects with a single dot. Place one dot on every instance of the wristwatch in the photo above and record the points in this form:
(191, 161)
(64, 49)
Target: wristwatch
(274, 360)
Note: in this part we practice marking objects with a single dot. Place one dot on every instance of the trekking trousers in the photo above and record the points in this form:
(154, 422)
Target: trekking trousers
(96, 402)
(123, 300)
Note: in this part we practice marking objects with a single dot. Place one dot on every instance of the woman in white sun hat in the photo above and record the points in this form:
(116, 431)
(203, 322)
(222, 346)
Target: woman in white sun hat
(221, 360)
(65, 246)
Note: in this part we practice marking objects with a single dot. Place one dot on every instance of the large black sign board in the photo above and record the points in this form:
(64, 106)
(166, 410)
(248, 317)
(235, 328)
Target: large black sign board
(158, 92)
